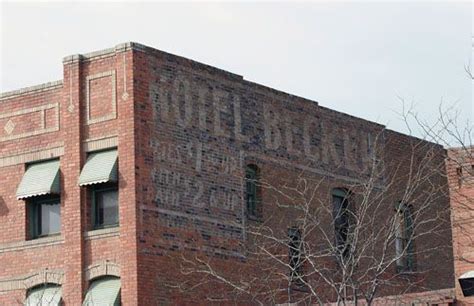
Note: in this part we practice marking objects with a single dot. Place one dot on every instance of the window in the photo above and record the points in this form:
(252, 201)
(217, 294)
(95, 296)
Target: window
(404, 245)
(44, 216)
(370, 145)
(252, 191)
(40, 188)
(105, 206)
(100, 175)
(295, 255)
(103, 291)
(459, 175)
(341, 215)
(44, 295)
(466, 281)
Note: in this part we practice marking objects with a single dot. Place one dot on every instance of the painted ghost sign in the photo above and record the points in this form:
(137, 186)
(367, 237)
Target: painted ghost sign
(206, 129)
(266, 126)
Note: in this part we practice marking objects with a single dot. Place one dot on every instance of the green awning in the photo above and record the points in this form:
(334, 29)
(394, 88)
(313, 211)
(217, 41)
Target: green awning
(49, 295)
(103, 292)
(39, 179)
(100, 167)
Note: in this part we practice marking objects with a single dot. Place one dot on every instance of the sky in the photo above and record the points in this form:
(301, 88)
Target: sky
(361, 58)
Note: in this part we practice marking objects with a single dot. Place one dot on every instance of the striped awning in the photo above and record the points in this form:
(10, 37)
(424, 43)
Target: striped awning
(104, 292)
(100, 167)
(39, 179)
(44, 295)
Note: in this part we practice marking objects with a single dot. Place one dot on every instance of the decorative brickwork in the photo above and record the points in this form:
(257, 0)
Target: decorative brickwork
(101, 103)
(31, 280)
(30, 122)
(102, 268)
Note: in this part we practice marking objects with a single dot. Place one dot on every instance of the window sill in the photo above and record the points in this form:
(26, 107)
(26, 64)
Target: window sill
(405, 271)
(299, 287)
(45, 236)
(253, 218)
(33, 243)
(102, 233)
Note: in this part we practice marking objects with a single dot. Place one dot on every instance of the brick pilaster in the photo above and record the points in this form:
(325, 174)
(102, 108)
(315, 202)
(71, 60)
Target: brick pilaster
(128, 208)
(72, 199)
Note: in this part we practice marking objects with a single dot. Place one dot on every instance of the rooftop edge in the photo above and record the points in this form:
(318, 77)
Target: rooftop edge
(30, 89)
(105, 52)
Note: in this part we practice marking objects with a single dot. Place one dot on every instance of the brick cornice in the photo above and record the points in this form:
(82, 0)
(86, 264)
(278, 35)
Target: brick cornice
(70, 59)
(31, 89)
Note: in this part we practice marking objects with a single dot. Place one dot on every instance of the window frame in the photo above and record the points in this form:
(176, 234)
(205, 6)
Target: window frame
(342, 242)
(95, 190)
(467, 286)
(404, 236)
(252, 191)
(103, 278)
(295, 255)
(34, 215)
(43, 287)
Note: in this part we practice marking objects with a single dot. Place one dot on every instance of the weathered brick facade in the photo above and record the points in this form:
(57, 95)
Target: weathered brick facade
(460, 167)
(184, 133)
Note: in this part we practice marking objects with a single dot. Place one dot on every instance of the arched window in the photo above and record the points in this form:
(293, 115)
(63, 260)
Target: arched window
(342, 220)
(252, 191)
(44, 295)
(103, 291)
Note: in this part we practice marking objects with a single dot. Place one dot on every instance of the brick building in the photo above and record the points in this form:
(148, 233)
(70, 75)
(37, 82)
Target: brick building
(121, 180)
(461, 178)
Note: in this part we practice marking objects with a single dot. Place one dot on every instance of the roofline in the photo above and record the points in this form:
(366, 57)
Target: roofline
(105, 52)
(31, 89)
(127, 46)
(470, 147)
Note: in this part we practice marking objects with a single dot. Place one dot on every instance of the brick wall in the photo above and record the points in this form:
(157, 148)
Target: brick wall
(90, 109)
(461, 177)
(199, 127)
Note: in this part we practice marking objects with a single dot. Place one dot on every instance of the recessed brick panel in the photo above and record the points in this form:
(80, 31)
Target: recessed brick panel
(101, 97)
(30, 121)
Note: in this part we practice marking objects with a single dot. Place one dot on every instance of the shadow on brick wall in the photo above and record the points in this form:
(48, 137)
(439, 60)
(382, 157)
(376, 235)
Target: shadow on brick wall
(3, 207)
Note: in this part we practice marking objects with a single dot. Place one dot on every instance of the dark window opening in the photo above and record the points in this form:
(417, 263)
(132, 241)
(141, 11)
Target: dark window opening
(467, 286)
(105, 206)
(252, 191)
(404, 244)
(459, 173)
(44, 216)
(341, 215)
(295, 256)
